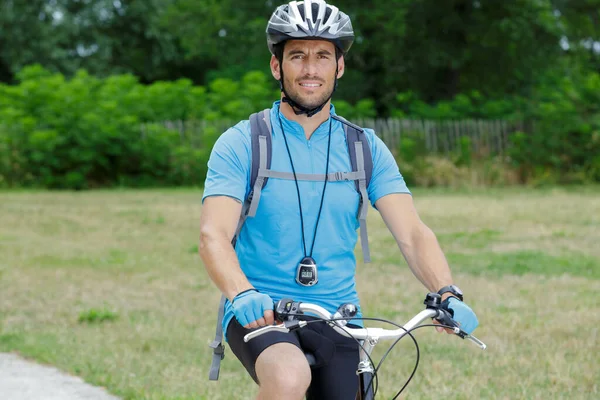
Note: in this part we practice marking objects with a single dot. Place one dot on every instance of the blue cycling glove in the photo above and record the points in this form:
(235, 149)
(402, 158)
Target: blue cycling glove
(461, 313)
(250, 305)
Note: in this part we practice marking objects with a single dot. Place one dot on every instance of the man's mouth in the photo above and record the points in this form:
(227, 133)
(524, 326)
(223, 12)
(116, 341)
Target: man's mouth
(310, 85)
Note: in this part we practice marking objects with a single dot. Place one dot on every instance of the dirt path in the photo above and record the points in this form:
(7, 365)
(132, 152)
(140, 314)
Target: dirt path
(24, 380)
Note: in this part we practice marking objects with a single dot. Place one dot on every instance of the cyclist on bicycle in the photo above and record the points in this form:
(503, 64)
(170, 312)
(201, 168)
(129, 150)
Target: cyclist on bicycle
(300, 243)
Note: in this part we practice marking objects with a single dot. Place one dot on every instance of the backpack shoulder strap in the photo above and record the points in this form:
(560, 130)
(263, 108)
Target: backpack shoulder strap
(217, 344)
(361, 160)
(260, 132)
(354, 134)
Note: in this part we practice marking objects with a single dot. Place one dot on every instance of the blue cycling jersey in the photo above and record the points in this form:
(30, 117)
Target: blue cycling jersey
(269, 246)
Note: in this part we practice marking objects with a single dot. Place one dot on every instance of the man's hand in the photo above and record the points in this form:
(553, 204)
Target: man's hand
(253, 309)
(461, 313)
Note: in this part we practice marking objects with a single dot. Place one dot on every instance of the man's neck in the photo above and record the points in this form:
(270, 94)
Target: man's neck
(310, 124)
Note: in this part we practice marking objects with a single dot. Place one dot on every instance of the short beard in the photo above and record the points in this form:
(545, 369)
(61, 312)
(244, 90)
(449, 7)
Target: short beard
(294, 96)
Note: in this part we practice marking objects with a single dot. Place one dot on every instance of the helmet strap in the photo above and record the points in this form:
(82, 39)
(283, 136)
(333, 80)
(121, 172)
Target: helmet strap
(299, 109)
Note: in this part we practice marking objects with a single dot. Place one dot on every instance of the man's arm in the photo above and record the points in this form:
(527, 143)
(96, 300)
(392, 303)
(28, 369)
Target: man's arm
(417, 242)
(218, 222)
(423, 253)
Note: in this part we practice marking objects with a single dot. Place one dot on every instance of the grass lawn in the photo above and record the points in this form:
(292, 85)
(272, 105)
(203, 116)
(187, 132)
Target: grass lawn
(108, 285)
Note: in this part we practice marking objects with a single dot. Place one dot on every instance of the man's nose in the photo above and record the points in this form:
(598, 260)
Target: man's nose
(310, 66)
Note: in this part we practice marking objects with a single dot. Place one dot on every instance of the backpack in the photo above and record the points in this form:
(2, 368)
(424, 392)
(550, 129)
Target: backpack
(362, 170)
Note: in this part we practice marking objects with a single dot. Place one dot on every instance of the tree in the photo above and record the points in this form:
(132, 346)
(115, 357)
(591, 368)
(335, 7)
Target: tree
(226, 38)
(28, 35)
(580, 22)
(496, 48)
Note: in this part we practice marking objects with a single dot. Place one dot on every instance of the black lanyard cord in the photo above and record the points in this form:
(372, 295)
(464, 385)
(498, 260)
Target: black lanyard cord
(298, 188)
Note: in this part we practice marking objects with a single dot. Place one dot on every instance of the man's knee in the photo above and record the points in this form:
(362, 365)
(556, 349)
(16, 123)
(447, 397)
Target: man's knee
(282, 367)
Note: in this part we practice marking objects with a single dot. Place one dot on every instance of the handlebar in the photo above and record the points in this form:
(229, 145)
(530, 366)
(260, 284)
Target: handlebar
(287, 311)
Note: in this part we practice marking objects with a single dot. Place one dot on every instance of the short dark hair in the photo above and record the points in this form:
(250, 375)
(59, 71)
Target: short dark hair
(278, 50)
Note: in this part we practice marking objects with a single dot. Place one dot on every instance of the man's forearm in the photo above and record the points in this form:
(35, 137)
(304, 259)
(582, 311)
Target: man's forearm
(426, 259)
(222, 265)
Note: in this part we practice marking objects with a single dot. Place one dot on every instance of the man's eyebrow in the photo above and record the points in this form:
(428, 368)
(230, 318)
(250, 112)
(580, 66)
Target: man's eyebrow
(294, 52)
(298, 51)
(325, 52)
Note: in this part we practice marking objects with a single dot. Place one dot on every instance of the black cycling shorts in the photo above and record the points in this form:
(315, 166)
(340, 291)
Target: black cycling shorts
(334, 373)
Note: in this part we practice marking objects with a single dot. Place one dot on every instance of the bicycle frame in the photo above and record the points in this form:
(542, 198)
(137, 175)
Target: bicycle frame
(364, 384)
(370, 337)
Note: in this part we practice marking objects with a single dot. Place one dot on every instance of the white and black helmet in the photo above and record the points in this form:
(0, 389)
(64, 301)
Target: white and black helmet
(310, 19)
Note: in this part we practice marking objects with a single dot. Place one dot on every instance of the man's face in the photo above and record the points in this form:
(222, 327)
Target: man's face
(309, 71)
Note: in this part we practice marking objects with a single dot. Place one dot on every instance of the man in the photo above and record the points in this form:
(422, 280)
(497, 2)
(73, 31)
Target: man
(300, 221)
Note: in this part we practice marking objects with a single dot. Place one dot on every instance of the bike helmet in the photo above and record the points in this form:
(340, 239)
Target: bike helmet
(310, 19)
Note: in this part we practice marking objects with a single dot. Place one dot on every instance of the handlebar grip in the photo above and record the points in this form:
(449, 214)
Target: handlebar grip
(445, 318)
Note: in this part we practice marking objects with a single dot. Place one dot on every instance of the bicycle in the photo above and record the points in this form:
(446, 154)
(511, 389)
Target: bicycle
(288, 311)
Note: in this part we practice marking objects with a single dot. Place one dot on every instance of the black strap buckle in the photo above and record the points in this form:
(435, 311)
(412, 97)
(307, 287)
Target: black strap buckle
(218, 348)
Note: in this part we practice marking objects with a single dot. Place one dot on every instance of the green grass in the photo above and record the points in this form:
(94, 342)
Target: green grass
(527, 262)
(108, 285)
(96, 315)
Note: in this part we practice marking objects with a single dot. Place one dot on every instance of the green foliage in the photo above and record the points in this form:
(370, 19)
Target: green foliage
(464, 155)
(564, 141)
(438, 50)
(86, 132)
(561, 140)
(464, 105)
(229, 99)
(188, 165)
(364, 108)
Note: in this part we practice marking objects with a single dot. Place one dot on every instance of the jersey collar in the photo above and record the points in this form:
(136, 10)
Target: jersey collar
(294, 128)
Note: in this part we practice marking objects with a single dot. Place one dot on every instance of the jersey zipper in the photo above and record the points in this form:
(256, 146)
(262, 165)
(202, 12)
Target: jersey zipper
(312, 166)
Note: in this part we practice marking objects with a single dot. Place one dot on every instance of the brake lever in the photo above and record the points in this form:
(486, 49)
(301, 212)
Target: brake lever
(285, 327)
(445, 318)
(478, 342)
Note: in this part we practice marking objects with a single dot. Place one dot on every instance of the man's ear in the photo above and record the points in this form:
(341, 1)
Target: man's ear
(275, 68)
(341, 67)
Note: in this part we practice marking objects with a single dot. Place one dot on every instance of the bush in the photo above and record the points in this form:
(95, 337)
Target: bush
(564, 141)
(562, 116)
(86, 132)
(89, 132)
(437, 171)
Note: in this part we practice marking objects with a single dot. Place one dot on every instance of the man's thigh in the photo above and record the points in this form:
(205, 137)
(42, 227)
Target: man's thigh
(336, 380)
(248, 353)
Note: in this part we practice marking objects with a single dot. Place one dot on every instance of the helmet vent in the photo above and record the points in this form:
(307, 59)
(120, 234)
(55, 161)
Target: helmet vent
(285, 17)
(315, 12)
(327, 14)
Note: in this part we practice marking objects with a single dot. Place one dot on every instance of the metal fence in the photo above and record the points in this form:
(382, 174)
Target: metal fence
(489, 136)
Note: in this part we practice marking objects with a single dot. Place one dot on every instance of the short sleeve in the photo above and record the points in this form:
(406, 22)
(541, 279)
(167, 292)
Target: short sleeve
(229, 164)
(386, 178)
